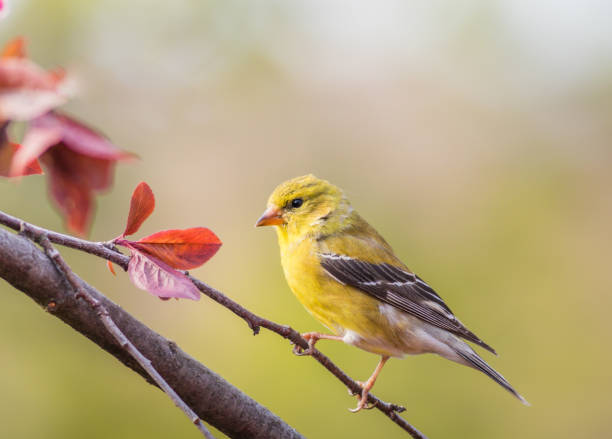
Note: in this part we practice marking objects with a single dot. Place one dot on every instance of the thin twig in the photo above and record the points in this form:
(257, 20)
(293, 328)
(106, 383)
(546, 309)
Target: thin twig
(255, 322)
(109, 324)
(102, 249)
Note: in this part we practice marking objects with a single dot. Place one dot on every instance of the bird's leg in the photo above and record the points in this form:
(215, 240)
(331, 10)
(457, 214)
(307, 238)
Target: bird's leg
(365, 387)
(312, 338)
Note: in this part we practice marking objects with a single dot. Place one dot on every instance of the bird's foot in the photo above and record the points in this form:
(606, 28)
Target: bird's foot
(301, 352)
(367, 386)
(311, 338)
(363, 398)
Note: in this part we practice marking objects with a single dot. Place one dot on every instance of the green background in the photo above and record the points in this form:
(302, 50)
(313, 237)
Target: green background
(475, 136)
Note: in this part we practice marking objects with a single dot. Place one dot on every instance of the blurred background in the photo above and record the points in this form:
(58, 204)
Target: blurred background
(476, 136)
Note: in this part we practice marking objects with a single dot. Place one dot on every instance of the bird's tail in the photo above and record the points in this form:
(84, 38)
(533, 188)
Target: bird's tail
(470, 358)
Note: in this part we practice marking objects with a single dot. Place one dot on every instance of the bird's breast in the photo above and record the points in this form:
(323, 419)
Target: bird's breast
(306, 279)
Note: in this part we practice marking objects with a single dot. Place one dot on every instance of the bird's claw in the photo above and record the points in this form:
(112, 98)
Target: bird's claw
(363, 403)
(368, 406)
(311, 338)
(301, 352)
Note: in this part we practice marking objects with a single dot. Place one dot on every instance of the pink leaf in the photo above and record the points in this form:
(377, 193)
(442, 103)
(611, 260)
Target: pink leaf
(159, 279)
(35, 143)
(8, 151)
(79, 137)
(78, 161)
(27, 91)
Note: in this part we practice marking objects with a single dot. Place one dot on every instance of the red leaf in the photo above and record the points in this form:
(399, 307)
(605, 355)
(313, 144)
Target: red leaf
(8, 151)
(141, 206)
(27, 91)
(35, 143)
(159, 279)
(79, 137)
(14, 48)
(111, 267)
(73, 179)
(79, 162)
(181, 249)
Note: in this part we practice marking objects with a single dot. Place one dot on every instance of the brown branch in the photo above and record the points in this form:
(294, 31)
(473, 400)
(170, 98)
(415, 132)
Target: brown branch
(110, 325)
(212, 398)
(105, 250)
(254, 321)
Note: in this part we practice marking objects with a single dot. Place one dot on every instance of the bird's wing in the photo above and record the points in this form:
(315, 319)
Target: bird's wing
(398, 287)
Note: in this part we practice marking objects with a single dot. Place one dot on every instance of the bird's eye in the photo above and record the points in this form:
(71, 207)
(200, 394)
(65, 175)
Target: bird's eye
(296, 202)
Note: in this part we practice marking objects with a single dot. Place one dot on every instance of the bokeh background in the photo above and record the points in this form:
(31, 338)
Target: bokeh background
(476, 136)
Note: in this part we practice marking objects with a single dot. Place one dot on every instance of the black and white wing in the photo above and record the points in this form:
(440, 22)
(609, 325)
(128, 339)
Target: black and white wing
(399, 288)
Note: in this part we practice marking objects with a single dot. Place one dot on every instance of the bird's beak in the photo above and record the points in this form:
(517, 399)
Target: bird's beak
(271, 217)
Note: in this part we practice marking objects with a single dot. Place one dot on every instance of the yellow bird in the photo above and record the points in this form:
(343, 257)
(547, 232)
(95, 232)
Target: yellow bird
(347, 276)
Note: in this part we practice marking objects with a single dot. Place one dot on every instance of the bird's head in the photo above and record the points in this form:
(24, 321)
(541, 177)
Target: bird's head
(304, 205)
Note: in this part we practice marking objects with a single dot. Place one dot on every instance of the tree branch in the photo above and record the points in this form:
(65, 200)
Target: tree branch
(255, 322)
(105, 250)
(211, 397)
(111, 327)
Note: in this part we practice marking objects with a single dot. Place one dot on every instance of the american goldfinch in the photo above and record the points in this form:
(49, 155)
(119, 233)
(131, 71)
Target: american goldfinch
(347, 276)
